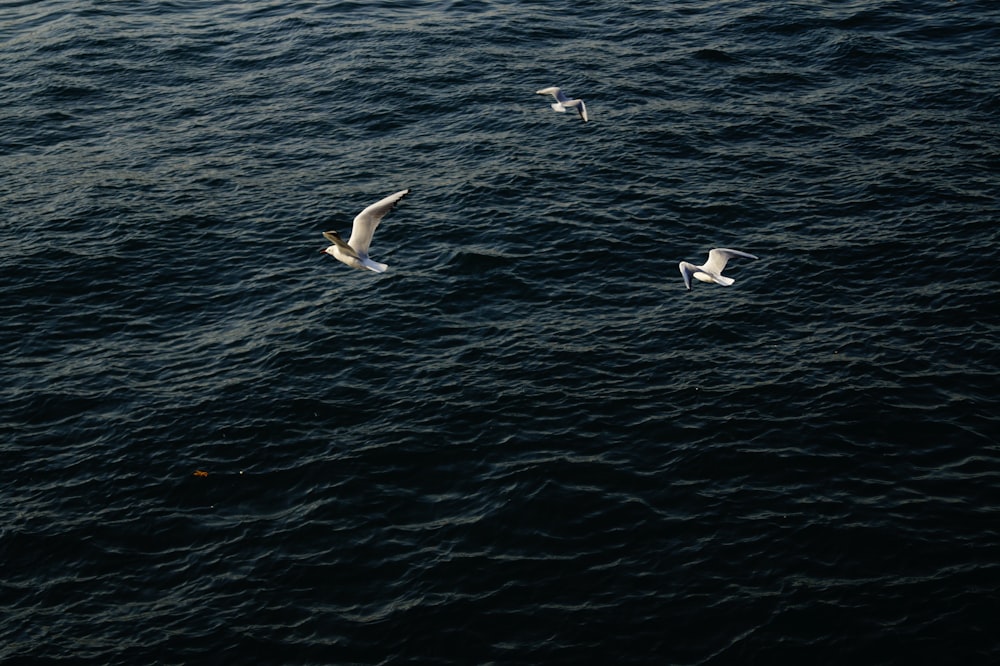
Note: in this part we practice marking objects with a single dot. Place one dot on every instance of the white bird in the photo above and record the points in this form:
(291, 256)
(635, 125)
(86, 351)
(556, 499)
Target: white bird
(562, 101)
(354, 252)
(711, 270)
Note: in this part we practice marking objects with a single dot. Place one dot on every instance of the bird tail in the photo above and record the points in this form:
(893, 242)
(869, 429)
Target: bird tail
(373, 265)
(556, 106)
(724, 281)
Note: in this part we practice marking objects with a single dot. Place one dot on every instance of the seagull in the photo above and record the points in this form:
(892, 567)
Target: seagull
(354, 252)
(562, 101)
(711, 270)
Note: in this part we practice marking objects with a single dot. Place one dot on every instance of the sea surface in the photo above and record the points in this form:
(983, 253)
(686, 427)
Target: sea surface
(526, 442)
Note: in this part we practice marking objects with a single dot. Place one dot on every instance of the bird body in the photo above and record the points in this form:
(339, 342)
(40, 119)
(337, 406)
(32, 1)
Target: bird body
(354, 252)
(711, 270)
(562, 101)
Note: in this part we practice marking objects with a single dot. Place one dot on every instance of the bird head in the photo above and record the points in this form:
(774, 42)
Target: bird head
(333, 237)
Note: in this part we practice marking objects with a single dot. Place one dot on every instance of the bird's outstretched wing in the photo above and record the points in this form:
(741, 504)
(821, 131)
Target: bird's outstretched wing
(580, 106)
(367, 221)
(720, 256)
(687, 270)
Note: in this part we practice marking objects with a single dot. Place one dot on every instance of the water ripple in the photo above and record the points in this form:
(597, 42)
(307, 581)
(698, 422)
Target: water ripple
(526, 442)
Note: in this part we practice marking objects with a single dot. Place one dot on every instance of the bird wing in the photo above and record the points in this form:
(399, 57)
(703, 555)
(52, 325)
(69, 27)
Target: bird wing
(718, 258)
(335, 238)
(686, 271)
(581, 107)
(367, 221)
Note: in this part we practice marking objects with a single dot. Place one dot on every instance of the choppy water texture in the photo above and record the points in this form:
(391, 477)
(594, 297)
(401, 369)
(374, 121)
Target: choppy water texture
(526, 442)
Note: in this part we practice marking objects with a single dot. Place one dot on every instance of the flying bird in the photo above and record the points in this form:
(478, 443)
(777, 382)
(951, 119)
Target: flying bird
(354, 252)
(562, 101)
(711, 270)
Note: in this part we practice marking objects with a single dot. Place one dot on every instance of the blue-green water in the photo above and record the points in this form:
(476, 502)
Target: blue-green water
(526, 442)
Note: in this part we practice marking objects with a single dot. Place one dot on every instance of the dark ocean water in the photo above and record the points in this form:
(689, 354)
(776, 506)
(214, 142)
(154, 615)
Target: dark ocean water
(526, 442)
